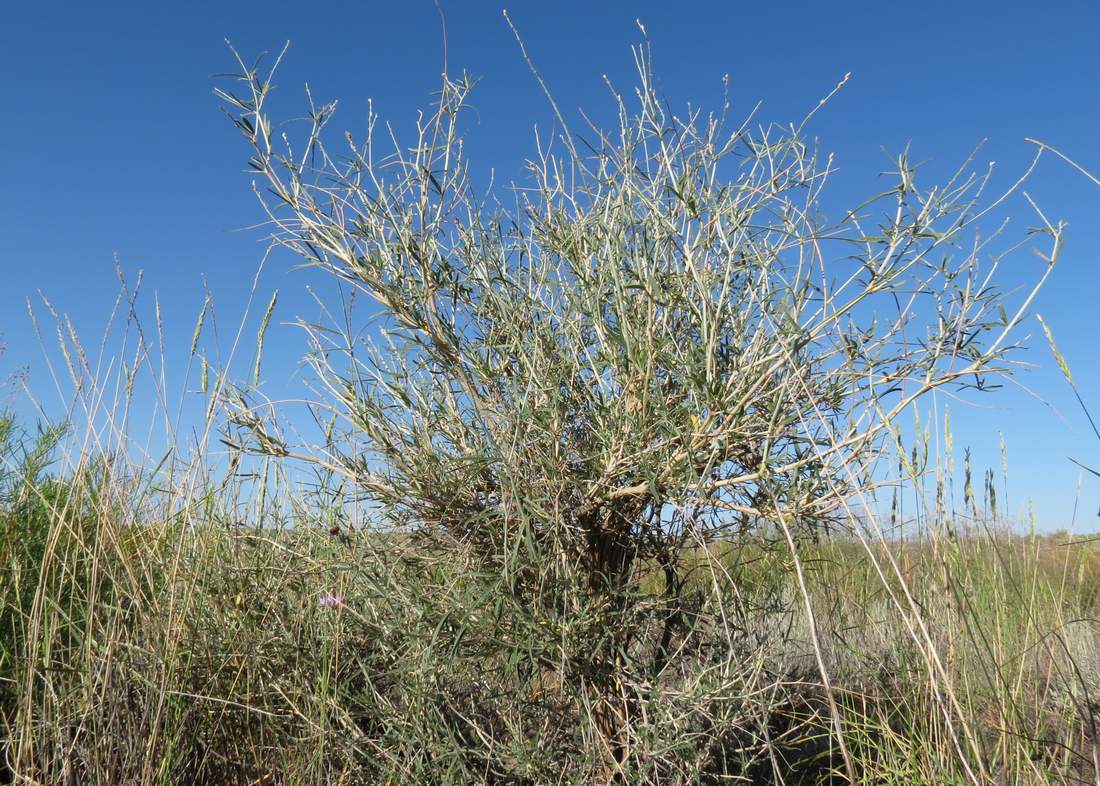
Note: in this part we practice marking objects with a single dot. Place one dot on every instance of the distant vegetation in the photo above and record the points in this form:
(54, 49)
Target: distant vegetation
(613, 487)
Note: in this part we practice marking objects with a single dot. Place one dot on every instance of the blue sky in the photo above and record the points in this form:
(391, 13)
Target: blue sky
(114, 144)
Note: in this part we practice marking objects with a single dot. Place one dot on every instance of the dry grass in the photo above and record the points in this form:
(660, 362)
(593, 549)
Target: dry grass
(166, 653)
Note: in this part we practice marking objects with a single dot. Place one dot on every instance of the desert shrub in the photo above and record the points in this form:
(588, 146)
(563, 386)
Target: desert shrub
(662, 348)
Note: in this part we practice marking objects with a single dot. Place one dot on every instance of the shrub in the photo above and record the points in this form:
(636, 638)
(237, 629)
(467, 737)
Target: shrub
(661, 347)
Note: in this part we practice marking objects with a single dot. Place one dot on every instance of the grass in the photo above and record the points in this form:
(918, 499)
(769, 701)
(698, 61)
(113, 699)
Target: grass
(151, 636)
(173, 653)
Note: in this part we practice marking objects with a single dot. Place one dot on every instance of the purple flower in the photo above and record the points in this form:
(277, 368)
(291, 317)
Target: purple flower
(331, 600)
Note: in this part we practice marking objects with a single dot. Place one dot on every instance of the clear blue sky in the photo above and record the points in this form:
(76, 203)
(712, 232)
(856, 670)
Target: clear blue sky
(113, 143)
